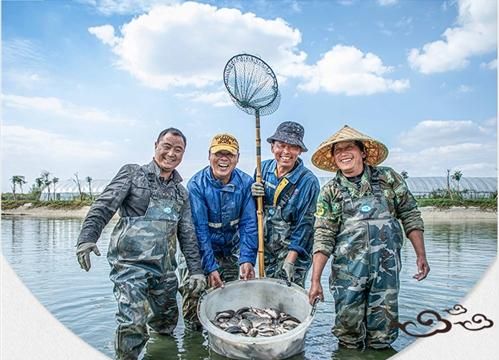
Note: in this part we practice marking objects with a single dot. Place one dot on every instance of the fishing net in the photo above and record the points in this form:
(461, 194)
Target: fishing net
(252, 84)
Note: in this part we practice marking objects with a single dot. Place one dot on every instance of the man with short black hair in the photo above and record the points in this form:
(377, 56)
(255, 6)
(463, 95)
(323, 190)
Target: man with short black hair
(154, 213)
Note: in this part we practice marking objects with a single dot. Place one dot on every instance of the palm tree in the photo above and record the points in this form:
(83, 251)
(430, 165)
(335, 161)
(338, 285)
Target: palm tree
(458, 174)
(44, 175)
(88, 179)
(404, 174)
(55, 180)
(17, 180)
(78, 184)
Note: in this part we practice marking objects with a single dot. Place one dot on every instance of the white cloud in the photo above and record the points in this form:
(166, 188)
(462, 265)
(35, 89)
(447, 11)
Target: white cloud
(21, 51)
(464, 88)
(431, 147)
(189, 43)
(475, 34)
(57, 153)
(387, 2)
(125, 7)
(62, 109)
(491, 65)
(347, 70)
(216, 99)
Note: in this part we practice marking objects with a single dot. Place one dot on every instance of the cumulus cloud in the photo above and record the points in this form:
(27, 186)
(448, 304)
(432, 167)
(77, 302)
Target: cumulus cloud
(432, 146)
(62, 109)
(475, 34)
(347, 70)
(185, 44)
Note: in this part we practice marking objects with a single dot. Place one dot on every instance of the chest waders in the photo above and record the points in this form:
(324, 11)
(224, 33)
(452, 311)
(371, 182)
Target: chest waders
(227, 257)
(142, 258)
(365, 271)
(277, 234)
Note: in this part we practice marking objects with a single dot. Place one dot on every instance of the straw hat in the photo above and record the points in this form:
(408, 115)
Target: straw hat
(376, 152)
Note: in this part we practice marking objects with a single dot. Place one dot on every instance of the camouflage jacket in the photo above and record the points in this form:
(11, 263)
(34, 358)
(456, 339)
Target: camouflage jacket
(129, 192)
(328, 217)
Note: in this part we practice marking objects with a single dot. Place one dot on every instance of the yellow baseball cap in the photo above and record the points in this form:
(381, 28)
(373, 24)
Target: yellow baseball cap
(227, 142)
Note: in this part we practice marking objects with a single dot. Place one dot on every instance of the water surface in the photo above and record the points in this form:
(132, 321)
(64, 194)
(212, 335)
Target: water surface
(42, 252)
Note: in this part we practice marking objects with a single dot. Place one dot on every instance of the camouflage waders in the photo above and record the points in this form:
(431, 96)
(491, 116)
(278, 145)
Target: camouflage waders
(365, 271)
(142, 257)
(228, 270)
(277, 239)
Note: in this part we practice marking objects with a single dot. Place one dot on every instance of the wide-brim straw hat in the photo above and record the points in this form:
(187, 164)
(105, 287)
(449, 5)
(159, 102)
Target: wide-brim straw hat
(376, 152)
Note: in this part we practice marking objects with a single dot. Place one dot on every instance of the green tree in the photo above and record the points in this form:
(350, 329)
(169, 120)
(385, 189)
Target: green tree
(17, 180)
(88, 179)
(458, 174)
(44, 176)
(55, 180)
(78, 184)
(404, 174)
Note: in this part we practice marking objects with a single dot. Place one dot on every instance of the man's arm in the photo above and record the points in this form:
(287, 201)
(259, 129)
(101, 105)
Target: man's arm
(417, 240)
(248, 232)
(315, 291)
(106, 205)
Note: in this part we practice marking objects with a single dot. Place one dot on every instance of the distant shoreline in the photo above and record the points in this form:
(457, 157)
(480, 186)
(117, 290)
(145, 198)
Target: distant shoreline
(429, 213)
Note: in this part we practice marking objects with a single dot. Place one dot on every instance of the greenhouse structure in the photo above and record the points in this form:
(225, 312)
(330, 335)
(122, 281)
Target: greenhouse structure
(470, 187)
(68, 190)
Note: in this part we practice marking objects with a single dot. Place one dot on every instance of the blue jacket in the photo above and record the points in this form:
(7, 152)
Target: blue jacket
(224, 217)
(300, 208)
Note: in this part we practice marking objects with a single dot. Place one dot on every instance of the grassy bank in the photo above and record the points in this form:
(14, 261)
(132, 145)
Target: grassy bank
(55, 204)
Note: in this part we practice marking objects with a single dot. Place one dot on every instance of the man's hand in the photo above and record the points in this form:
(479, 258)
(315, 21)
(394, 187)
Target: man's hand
(214, 280)
(257, 189)
(246, 271)
(289, 269)
(423, 268)
(315, 292)
(83, 254)
(197, 283)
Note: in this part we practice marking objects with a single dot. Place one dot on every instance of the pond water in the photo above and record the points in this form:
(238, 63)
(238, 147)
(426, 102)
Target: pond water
(41, 251)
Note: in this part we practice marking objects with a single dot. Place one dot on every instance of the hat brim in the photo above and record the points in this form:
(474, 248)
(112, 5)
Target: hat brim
(376, 152)
(217, 148)
(288, 141)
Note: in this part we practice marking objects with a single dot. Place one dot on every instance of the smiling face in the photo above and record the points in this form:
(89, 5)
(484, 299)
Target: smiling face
(286, 156)
(168, 153)
(222, 164)
(349, 158)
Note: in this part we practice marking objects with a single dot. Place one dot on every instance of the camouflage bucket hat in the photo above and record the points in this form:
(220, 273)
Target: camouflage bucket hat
(376, 152)
(289, 132)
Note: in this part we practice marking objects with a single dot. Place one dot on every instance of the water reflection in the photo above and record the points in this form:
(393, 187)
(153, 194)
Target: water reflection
(41, 251)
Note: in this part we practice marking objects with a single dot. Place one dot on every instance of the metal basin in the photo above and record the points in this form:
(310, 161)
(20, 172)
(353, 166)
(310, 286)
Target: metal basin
(260, 293)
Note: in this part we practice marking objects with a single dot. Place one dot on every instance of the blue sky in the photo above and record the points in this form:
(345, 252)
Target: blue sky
(88, 85)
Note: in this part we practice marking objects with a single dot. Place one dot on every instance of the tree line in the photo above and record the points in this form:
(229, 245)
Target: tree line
(47, 182)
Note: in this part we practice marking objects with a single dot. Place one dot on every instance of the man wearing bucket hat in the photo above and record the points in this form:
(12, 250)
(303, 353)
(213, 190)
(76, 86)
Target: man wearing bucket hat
(224, 216)
(290, 193)
(357, 223)
(154, 214)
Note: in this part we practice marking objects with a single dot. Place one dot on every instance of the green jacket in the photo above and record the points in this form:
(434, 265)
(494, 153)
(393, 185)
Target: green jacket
(328, 216)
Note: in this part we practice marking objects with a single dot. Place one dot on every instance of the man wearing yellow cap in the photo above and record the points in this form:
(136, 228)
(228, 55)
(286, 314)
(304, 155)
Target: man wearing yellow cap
(357, 223)
(224, 216)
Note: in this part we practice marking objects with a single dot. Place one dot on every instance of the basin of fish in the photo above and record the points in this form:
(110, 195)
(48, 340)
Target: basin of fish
(256, 319)
(253, 321)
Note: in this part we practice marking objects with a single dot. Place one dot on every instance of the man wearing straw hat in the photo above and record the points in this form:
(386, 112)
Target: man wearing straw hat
(290, 193)
(357, 223)
(224, 216)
